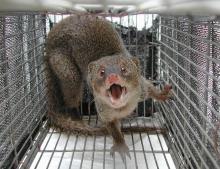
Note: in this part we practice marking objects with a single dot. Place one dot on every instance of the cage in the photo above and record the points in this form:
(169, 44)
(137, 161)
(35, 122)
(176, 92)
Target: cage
(177, 42)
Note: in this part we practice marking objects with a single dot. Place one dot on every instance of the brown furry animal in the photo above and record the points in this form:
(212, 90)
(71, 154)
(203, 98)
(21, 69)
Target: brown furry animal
(82, 47)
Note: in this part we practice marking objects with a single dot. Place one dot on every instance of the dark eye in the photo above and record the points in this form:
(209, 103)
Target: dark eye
(102, 72)
(123, 70)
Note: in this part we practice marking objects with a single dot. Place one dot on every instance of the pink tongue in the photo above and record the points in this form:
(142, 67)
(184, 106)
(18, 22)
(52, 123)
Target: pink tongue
(116, 91)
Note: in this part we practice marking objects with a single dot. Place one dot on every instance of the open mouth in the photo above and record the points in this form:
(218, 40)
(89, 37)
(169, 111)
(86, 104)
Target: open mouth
(116, 91)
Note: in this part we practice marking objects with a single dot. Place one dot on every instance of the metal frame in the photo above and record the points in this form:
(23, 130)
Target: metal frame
(180, 7)
(22, 92)
(190, 62)
(144, 153)
(188, 58)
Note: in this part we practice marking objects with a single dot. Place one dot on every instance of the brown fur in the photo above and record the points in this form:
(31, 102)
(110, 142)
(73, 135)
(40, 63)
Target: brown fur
(76, 48)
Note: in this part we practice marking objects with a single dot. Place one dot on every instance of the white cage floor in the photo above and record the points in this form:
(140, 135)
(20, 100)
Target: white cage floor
(60, 150)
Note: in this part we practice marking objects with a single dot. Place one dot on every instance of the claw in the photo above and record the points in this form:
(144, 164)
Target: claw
(166, 93)
(168, 87)
(122, 149)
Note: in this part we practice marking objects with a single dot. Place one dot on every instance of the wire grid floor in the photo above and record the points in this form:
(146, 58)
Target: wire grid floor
(60, 150)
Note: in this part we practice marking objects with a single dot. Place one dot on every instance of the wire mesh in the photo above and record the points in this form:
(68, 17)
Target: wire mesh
(77, 151)
(189, 60)
(22, 96)
(147, 150)
(189, 51)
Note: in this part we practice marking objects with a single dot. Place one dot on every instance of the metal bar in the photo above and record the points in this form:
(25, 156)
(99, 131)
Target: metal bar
(24, 97)
(153, 152)
(12, 83)
(145, 59)
(12, 139)
(17, 141)
(142, 45)
(177, 137)
(31, 153)
(17, 50)
(175, 154)
(8, 127)
(97, 150)
(17, 66)
(206, 92)
(104, 152)
(187, 136)
(22, 33)
(113, 161)
(23, 21)
(94, 149)
(18, 44)
(180, 142)
(135, 157)
(192, 22)
(84, 148)
(142, 145)
(76, 140)
(129, 34)
(163, 152)
(65, 146)
(9, 98)
(152, 70)
(30, 134)
(48, 164)
(160, 72)
(16, 119)
(190, 48)
(191, 102)
(188, 73)
(201, 113)
(136, 43)
(42, 151)
(198, 139)
(25, 79)
(18, 55)
(198, 125)
(196, 66)
(191, 35)
(11, 108)
(173, 148)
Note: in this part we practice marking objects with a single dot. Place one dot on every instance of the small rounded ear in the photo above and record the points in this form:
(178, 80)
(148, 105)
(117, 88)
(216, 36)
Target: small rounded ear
(136, 61)
(91, 66)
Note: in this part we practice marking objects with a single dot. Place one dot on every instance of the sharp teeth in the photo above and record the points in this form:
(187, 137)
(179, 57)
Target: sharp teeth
(112, 100)
(121, 96)
(109, 93)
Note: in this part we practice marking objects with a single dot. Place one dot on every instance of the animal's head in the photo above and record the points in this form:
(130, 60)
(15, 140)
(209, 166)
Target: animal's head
(114, 79)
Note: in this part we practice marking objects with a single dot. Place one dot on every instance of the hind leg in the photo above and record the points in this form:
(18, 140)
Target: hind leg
(70, 79)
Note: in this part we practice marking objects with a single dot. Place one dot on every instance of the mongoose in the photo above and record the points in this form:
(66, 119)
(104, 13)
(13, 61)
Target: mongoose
(86, 47)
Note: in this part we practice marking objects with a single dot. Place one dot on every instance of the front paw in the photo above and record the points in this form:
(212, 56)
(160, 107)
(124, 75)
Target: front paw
(122, 149)
(166, 93)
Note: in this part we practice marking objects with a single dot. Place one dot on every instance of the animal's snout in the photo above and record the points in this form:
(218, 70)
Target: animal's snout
(112, 79)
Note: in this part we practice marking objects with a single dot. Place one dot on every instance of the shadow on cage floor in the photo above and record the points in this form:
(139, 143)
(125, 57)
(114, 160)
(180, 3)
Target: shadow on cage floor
(59, 150)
